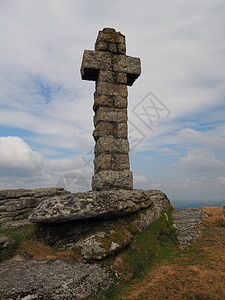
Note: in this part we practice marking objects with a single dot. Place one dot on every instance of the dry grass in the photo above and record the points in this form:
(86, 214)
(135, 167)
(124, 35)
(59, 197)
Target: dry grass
(37, 250)
(215, 216)
(175, 281)
(199, 273)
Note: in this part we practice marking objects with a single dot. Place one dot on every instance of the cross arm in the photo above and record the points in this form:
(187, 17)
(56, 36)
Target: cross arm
(129, 65)
(92, 62)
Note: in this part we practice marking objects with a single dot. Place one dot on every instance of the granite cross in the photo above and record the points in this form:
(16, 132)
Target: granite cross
(112, 71)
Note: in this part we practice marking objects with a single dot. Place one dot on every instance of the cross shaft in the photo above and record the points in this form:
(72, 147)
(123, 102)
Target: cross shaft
(112, 71)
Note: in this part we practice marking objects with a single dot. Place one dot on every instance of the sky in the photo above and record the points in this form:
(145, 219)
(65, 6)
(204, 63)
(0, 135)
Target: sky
(176, 108)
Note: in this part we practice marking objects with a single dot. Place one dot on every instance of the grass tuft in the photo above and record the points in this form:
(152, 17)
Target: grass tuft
(19, 236)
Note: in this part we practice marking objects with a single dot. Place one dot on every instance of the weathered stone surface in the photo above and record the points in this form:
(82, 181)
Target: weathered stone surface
(151, 214)
(129, 65)
(122, 48)
(113, 47)
(111, 89)
(110, 180)
(51, 279)
(106, 76)
(103, 129)
(122, 130)
(93, 204)
(92, 62)
(112, 77)
(96, 239)
(110, 115)
(101, 46)
(15, 224)
(122, 78)
(104, 243)
(110, 40)
(120, 102)
(111, 145)
(115, 162)
(120, 162)
(110, 35)
(103, 162)
(5, 241)
(109, 101)
(113, 71)
(23, 193)
(102, 100)
(17, 204)
(111, 238)
(187, 222)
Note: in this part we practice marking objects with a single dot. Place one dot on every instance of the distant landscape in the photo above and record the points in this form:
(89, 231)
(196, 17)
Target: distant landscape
(179, 204)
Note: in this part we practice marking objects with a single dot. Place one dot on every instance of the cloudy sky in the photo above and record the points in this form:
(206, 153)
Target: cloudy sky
(176, 107)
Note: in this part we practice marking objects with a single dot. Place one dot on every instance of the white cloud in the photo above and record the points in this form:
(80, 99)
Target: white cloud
(61, 166)
(213, 141)
(200, 160)
(156, 186)
(220, 180)
(18, 159)
(139, 178)
(20, 165)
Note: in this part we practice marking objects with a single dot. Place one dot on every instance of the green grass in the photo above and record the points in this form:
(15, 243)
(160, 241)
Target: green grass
(18, 236)
(147, 249)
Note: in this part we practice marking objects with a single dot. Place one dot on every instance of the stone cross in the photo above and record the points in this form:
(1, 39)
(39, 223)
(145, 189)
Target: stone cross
(112, 71)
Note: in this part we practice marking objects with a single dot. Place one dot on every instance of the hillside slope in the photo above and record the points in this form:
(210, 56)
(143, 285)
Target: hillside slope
(198, 272)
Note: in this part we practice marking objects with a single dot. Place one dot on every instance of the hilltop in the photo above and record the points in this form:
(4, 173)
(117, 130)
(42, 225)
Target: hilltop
(153, 266)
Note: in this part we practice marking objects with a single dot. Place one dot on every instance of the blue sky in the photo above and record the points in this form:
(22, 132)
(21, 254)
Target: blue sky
(176, 107)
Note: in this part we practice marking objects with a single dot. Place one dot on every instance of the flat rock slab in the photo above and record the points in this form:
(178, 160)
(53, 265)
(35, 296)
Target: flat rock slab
(93, 204)
(38, 193)
(16, 205)
(187, 222)
(95, 239)
(15, 224)
(51, 279)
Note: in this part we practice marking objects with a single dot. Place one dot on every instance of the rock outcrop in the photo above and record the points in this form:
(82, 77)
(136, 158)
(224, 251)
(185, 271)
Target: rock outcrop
(93, 204)
(187, 222)
(51, 279)
(97, 224)
(16, 205)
